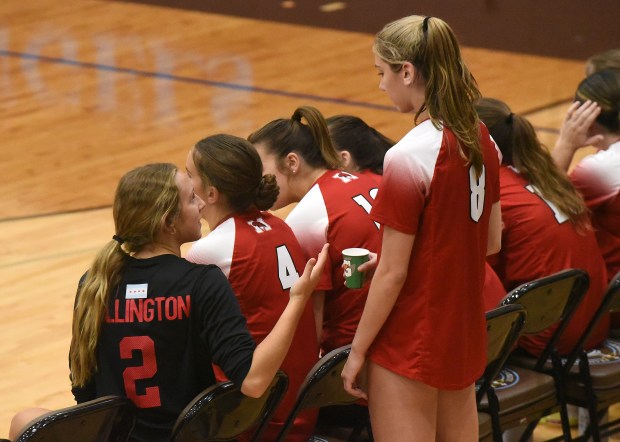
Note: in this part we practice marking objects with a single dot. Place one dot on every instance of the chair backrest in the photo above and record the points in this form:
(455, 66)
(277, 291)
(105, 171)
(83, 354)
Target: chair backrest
(504, 325)
(610, 303)
(222, 412)
(550, 300)
(106, 419)
(322, 387)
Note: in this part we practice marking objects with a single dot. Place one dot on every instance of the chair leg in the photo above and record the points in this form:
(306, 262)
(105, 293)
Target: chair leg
(592, 429)
(593, 425)
(494, 412)
(565, 422)
(528, 431)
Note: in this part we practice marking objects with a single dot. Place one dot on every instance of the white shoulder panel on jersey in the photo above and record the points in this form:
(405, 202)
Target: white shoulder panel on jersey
(606, 165)
(415, 155)
(309, 221)
(216, 248)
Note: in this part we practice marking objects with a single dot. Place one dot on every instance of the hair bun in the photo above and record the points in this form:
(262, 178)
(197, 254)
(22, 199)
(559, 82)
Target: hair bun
(267, 192)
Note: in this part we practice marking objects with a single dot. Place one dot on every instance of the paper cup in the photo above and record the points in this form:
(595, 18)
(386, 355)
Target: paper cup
(352, 259)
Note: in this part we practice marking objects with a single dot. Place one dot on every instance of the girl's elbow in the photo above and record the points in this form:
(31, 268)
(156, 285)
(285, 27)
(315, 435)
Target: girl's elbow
(252, 388)
(494, 246)
(397, 277)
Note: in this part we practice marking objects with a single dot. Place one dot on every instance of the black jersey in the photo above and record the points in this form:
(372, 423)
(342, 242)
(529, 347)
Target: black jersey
(166, 323)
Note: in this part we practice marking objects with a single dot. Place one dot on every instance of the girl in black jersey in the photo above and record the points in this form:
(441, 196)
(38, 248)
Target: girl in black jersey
(148, 324)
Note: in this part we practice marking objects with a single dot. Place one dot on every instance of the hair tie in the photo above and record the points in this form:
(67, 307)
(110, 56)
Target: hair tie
(509, 118)
(425, 24)
(296, 117)
(118, 239)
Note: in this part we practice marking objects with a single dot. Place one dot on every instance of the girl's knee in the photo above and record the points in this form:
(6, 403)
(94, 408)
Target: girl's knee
(22, 419)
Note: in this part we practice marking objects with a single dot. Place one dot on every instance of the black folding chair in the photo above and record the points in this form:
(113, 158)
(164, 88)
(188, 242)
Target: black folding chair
(323, 387)
(222, 412)
(595, 383)
(106, 419)
(504, 325)
(527, 388)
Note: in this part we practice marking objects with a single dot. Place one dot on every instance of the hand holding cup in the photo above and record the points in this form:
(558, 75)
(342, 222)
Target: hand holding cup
(352, 259)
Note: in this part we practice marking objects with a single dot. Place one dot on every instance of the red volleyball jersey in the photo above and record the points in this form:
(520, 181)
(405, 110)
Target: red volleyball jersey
(436, 332)
(373, 176)
(539, 240)
(336, 210)
(262, 259)
(597, 177)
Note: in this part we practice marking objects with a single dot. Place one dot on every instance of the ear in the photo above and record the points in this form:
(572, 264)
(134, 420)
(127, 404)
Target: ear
(408, 73)
(346, 159)
(167, 225)
(292, 163)
(212, 195)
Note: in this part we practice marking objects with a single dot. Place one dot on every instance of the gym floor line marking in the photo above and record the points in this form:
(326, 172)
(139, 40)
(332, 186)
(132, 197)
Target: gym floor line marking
(191, 80)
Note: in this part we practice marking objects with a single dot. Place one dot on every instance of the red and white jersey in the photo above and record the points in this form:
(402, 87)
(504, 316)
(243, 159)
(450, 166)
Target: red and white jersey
(436, 332)
(262, 259)
(597, 177)
(336, 210)
(539, 240)
(373, 176)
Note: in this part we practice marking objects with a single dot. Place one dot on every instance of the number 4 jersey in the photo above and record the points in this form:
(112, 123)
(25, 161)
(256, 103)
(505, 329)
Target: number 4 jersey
(262, 259)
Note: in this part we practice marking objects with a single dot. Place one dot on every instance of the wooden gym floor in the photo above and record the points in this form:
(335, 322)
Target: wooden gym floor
(90, 89)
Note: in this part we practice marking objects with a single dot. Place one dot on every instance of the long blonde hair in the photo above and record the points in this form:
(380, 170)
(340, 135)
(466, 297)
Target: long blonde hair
(516, 138)
(430, 45)
(146, 198)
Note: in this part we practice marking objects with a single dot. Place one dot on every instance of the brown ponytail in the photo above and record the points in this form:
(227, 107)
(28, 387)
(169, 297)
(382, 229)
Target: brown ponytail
(311, 141)
(516, 138)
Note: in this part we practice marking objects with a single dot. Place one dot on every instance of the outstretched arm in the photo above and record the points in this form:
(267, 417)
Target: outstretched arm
(270, 353)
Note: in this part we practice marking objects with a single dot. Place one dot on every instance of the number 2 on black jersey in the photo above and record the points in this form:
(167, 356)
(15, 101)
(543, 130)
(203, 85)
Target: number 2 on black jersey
(146, 346)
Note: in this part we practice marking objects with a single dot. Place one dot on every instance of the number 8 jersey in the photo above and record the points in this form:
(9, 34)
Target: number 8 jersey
(436, 330)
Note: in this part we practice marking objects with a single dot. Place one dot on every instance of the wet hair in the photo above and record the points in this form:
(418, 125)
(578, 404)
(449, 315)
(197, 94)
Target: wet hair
(603, 60)
(233, 166)
(520, 147)
(311, 141)
(146, 199)
(430, 45)
(366, 145)
(603, 87)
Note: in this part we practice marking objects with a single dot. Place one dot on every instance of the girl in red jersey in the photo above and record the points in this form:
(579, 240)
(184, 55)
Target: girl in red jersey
(361, 147)
(546, 226)
(257, 252)
(333, 206)
(163, 361)
(422, 333)
(594, 120)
